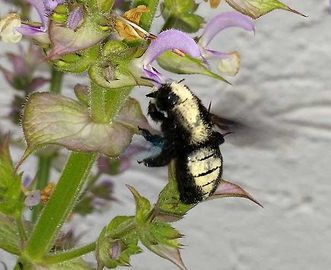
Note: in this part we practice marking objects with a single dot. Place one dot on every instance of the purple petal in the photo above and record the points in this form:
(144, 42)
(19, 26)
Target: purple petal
(39, 5)
(170, 40)
(152, 74)
(30, 31)
(36, 83)
(9, 76)
(75, 18)
(116, 250)
(50, 5)
(32, 199)
(228, 189)
(19, 65)
(27, 180)
(223, 21)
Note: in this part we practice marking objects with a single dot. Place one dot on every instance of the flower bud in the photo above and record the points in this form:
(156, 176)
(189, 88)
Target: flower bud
(8, 26)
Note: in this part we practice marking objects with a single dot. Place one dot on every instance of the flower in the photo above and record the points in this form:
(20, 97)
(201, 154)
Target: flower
(140, 71)
(172, 39)
(44, 9)
(8, 28)
(117, 166)
(24, 65)
(75, 18)
(228, 62)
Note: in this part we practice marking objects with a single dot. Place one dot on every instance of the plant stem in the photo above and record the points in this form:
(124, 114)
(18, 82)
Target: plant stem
(56, 80)
(60, 205)
(98, 103)
(44, 166)
(70, 254)
(45, 161)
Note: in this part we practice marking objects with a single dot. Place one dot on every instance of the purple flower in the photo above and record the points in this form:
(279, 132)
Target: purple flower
(172, 39)
(44, 9)
(228, 62)
(117, 166)
(75, 18)
(24, 65)
(32, 198)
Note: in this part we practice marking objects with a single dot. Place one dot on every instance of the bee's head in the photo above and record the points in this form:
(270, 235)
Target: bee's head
(165, 98)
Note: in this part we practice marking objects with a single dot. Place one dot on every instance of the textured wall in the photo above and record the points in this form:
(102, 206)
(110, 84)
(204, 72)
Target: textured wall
(283, 95)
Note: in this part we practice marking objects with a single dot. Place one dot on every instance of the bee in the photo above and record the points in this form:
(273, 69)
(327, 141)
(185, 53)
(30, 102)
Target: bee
(188, 138)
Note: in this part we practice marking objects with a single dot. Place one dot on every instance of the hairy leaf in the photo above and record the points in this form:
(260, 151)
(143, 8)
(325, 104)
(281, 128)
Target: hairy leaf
(143, 206)
(55, 119)
(169, 207)
(179, 14)
(9, 237)
(162, 239)
(11, 202)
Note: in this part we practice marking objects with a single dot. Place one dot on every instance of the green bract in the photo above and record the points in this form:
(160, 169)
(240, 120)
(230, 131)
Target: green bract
(180, 14)
(117, 242)
(258, 8)
(185, 65)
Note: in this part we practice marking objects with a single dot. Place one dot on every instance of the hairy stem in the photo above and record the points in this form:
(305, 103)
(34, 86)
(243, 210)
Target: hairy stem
(70, 254)
(60, 205)
(44, 166)
(45, 161)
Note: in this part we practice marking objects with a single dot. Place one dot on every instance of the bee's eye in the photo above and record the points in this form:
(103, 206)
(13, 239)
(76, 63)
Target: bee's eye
(172, 98)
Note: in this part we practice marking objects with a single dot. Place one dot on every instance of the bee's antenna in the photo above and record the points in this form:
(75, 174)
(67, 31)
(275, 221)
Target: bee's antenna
(181, 80)
(150, 79)
(209, 107)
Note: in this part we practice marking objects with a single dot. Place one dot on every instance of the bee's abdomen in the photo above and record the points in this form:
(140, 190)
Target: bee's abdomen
(203, 168)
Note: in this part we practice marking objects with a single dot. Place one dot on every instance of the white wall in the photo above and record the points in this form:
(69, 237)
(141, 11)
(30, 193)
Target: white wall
(283, 94)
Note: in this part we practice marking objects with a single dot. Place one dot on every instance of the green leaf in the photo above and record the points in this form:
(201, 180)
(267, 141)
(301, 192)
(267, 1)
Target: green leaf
(143, 207)
(59, 120)
(258, 8)
(11, 201)
(147, 18)
(162, 239)
(185, 65)
(169, 207)
(117, 243)
(9, 236)
(105, 5)
(179, 14)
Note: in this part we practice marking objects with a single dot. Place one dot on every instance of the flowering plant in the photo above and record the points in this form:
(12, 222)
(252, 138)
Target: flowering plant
(108, 42)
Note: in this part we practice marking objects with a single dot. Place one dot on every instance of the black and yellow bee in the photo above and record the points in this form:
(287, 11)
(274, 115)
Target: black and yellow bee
(188, 138)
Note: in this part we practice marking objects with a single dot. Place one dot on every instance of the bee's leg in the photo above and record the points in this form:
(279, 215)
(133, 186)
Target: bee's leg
(155, 114)
(160, 160)
(217, 138)
(156, 140)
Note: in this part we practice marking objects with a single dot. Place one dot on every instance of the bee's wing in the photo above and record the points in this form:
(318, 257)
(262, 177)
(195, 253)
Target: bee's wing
(226, 125)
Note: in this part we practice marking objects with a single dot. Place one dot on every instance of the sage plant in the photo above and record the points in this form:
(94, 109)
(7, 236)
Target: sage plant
(110, 43)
